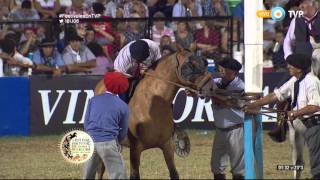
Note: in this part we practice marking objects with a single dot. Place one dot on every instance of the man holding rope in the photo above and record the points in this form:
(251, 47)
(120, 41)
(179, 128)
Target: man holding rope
(304, 89)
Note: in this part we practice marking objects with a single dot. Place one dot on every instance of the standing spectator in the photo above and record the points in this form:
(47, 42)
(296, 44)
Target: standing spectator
(134, 31)
(47, 59)
(215, 8)
(104, 64)
(26, 12)
(184, 36)
(208, 40)
(135, 6)
(159, 29)
(78, 56)
(47, 8)
(297, 39)
(228, 141)
(187, 8)
(106, 121)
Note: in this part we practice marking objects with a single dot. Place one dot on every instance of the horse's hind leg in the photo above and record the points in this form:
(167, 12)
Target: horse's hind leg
(100, 169)
(168, 153)
(135, 154)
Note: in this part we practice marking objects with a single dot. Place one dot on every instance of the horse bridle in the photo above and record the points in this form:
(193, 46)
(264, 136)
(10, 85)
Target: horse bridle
(190, 84)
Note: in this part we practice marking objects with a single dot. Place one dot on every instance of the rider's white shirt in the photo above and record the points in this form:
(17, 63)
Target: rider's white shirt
(309, 91)
(124, 63)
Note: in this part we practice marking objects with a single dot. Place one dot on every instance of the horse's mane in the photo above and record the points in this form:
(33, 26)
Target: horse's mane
(155, 64)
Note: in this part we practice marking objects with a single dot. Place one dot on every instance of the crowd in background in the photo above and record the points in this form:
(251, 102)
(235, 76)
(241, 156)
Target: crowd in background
(91, 47)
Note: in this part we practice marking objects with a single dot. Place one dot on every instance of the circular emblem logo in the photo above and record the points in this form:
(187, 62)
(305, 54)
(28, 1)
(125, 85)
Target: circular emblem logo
(76, 146)
(278, 13)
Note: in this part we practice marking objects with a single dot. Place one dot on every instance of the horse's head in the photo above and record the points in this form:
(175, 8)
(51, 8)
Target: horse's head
(192, 70)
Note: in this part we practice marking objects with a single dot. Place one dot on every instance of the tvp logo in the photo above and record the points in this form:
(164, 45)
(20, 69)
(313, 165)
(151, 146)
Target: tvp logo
(278, 14)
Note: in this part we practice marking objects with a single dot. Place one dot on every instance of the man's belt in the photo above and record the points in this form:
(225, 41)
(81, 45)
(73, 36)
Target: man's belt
(312, 121)
(231, 128)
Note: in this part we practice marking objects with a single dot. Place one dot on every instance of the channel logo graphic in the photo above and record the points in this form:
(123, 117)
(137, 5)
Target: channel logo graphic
(278, 13)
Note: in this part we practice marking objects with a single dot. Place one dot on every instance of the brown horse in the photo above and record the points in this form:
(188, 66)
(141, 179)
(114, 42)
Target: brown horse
(151, 118)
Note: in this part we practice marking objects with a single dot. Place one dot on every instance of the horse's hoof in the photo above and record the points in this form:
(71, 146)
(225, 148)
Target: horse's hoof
(134, 176)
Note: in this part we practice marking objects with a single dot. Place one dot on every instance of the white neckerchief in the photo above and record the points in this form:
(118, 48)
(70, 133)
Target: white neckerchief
(78, 57)
(108, 92)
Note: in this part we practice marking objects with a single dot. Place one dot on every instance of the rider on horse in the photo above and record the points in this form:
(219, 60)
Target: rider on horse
(134, 59)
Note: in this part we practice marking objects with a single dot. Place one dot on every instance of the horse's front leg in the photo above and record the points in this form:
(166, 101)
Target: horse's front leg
(168, 153)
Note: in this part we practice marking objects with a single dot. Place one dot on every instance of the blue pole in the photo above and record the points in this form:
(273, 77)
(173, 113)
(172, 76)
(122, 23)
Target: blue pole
(248, 148)
(259, 146)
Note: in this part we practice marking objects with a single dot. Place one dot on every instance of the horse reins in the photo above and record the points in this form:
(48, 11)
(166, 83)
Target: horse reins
(173, 83)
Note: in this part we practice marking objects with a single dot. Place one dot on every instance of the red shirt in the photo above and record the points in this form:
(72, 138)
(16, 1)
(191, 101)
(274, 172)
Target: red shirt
(214, 37)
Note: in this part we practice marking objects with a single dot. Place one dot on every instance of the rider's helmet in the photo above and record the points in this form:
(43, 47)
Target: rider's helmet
(139, 50)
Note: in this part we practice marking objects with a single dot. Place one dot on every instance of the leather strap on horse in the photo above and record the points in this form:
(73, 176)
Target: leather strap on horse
(173, 83)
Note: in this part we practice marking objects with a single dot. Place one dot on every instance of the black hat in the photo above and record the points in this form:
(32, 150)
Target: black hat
(46, 42)
(74, 37)
(139, 50)
(230, 63)
(300, 61)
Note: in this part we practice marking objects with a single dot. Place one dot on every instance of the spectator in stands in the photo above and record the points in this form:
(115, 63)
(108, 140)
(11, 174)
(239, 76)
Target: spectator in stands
(90, 35)
(135, 6)
(159, 29)
(30, 44)
(47, 59)
(238, 11)
(187, 8)
(47, 8)
(164, 6)
(104, 34)
(167, 50)
(77, 7)
(134, 31)
(65, 4)
(26, 12)
(297, 39)
(6, 6)
(208, 40)
(215, 8)
(184, 36)
(17, 61)
(78, 56)
(104, 64)
(279, 63)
